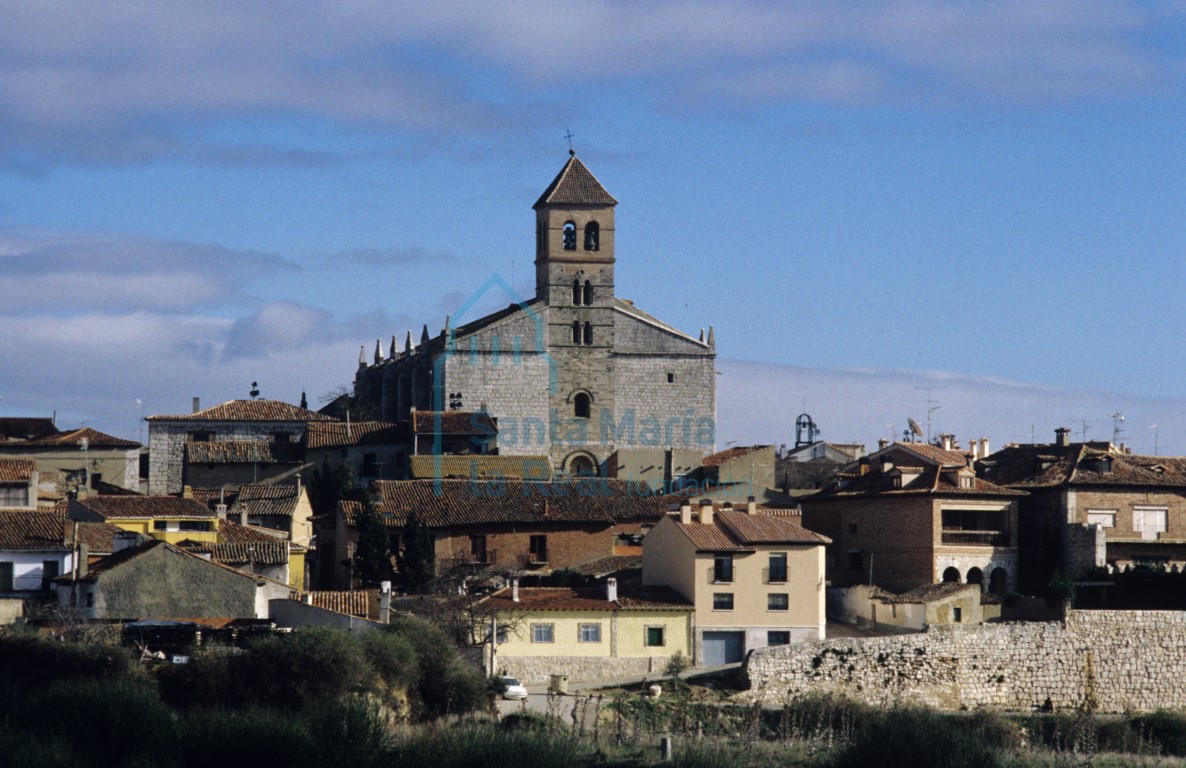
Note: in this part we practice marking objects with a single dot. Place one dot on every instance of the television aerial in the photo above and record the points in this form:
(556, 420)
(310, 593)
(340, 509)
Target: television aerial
(915, 430)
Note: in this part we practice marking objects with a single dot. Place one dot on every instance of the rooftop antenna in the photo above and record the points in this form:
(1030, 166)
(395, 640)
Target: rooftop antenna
(1084, 427)
(914, 431)
(932, 406)
(568, 135)
(1117, 427)
(254, 389)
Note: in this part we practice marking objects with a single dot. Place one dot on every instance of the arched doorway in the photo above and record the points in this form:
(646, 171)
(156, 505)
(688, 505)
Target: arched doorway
(998, 581)
(976, 576)
(951, 575)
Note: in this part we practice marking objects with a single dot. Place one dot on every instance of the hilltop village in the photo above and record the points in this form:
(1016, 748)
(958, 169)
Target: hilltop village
(544, 483)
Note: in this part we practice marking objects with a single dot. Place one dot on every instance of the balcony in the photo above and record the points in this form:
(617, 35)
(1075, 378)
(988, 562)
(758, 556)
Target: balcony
(720, 575)
(774, 575)
(476, 561)
(976, 538)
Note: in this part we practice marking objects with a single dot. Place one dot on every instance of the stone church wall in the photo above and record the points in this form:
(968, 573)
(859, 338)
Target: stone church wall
(1113, 661)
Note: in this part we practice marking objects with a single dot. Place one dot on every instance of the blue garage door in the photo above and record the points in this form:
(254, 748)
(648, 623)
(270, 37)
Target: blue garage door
(723, 648)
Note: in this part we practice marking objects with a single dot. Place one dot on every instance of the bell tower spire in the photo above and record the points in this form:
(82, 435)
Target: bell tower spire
(574, 239)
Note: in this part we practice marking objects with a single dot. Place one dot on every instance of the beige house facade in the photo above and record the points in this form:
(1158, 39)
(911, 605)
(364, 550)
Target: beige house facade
(754, 577)
(586, 633)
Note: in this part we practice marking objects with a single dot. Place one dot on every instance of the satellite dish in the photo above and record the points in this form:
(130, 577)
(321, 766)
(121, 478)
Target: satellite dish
(917, 430)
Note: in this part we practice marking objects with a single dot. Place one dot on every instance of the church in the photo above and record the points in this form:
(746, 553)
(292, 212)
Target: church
(575, 373)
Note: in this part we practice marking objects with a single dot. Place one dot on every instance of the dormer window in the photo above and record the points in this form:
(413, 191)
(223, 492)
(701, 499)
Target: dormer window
(570, 236)
(592, 236)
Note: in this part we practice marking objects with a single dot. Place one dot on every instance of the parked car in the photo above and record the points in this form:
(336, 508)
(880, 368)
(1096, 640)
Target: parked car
(511, 688)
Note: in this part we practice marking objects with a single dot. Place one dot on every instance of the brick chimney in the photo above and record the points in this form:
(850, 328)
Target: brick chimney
(1062, 436)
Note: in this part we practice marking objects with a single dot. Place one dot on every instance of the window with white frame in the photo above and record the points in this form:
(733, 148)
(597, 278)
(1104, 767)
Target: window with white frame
(543, 633)
(1149, 521)
(590, 633)
(1103, 517)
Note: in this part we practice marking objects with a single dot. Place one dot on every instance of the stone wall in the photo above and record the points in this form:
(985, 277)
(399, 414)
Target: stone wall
(539, 669)
(1112, 661)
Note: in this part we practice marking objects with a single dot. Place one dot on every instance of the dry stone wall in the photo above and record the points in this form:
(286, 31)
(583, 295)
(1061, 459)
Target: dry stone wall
(1109, 661)
(539, 669)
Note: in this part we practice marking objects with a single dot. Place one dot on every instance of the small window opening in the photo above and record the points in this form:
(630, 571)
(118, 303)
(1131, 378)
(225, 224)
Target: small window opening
(581, 406)
(570, 236)
(588, 293)
(592, 236)
(671, 378)
(576, 293)
(576, 332)
(588, 333)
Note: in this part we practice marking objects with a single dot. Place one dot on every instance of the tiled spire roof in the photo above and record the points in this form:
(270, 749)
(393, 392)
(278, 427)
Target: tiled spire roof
(575, 185)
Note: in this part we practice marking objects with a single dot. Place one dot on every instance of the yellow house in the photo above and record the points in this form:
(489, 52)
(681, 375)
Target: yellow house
(755, 577)
(585, 634)
(168, 518)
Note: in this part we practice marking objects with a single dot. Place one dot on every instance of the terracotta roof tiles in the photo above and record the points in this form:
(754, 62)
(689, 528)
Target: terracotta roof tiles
(279, 499)
(453, 423)
(248, 410)
(16, 470)
(242, 452)
(349, 603)
(20, 429)
(332, 434)
(446, 503)
(131, 507)
(480, 466)
(575, 185)
(94, 438)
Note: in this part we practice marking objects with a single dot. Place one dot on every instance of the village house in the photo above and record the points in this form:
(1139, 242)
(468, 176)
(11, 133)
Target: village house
(912, 514)
(151, 579)
(236, 442)
(38, 546)
(84, 458)
(589, 633)
(18, 484)
(499, 525)
(1092, 505)
(755, 577)
(168, 518)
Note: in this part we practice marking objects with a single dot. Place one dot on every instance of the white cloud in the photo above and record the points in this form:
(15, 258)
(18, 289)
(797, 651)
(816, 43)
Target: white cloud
(114, 83)
(60, 273)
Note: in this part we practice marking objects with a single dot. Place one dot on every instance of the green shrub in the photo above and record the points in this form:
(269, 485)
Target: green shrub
(916, 738)
(445, 684)
(485, 746)
(1168, 728)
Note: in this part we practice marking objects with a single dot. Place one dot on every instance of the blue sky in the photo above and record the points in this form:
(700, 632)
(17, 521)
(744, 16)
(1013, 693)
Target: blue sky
(875, 204)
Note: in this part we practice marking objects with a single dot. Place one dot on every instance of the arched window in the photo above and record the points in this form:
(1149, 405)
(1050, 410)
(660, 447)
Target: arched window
(588, 333)
(951, 575)
(570, 236)
(998, 582)
(588, 293)
(576, 332)
(581, 406)
(576, 292)
(581, 466)
(975, 576)
(592, 236)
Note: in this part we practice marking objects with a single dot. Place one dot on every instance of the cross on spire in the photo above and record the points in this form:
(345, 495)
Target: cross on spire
(568, 134)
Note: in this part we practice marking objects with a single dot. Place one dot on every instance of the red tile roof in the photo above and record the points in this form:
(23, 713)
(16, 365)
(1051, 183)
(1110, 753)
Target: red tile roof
(230, 532)
(332, 434)
(19, 429)
(589, 599)
(719, 458)
(934, 453)
(16, 470)
(929, 481)
(575, 185)
(349, 603)
(734, 531)
(248, 410)
(279, 499)
(242, 452)
(453, 423)
(447, 503)
(141, 507)
(480, 466)
(94, 438)
(1077, 464)
(31, 530)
